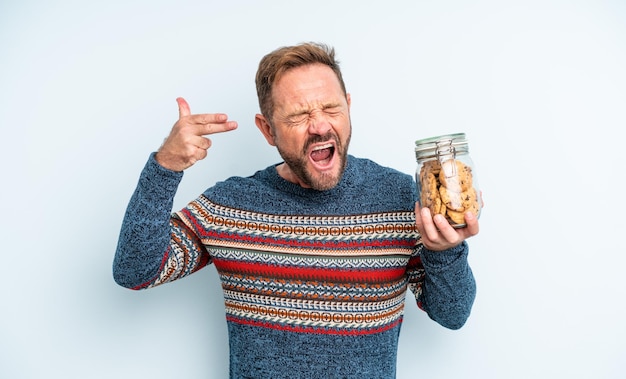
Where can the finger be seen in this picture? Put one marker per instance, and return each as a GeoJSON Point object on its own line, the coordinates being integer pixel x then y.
{"type": "Point", "coordinates": [183, 108]}
{"type": "Point", "coordinates": [419, 219]}
{"type": "Point", "coordinates": [418, 216]}
{"type": "Point", "coordinates": [429, 229]}
{"type": "Point", "coordinates": [208, 118]}
{"type": "Point", "coordinates": [202, 143]}
{"type": "Point", "coordinates": [201, 154]}
{"type": "Point", "coordinates": [444, 228]}
{"type": "Point", "coordinates": [419, 225]}
{"type": "Point", "coordinates": [472, 223]}
{"type": "Point", "coordinates": [216, 127]}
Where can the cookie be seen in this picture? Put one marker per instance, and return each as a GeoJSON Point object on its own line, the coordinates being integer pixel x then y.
{"type": "Point", "coordinates": [452, 200]}
{"type": "Point", "coordinates": [447, 188]}
{"type": "Point", "coordinates": [456, 217]}
{"type": "Point", "coordinates": [429, 187]}
{"type": "Point", "coordinates": [455, 175]}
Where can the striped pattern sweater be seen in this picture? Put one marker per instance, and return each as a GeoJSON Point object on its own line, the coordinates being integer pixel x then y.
{"type": "Point", "coordinates": [314, 282]}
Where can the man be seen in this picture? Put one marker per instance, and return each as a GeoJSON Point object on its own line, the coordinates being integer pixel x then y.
{"type": "Point", "coordinates": [315, 254]}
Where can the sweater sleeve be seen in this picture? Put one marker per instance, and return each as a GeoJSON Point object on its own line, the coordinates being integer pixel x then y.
{"type": "Point", "coordinates": [444, 285]}
{"type": "Point", "coordinates": [154, 247]}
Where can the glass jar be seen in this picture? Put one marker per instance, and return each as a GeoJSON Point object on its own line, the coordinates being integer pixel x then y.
{"type": "Point", "coordinates": [445, 176]}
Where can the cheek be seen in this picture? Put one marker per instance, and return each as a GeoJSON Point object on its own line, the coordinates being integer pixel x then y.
{"type": "Point", "coordinates": [290, 140]}
{"type": "Point", "coordinates": [344, 129]}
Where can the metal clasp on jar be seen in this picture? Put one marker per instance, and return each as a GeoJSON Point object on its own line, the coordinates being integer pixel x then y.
{"type": "Point", "coordinates": [444, 152]}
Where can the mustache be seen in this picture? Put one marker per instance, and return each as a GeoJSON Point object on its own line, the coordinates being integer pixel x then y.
{"type": "Point", "coordinates": [329, 136]}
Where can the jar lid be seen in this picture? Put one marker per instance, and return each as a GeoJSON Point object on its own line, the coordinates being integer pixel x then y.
{"type": "Point", "coordinates": [431, 147]}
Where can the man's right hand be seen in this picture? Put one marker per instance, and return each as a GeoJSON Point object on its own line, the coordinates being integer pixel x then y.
{"type": "Point", "coordinates": [186, 143]}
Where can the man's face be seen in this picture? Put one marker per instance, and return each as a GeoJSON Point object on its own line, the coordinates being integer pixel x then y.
{"type": "Point", "coordinates": [311, 126]}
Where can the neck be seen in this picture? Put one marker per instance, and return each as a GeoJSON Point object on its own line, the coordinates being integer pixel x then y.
{"type": "Point", "coordinates": [285, 172]}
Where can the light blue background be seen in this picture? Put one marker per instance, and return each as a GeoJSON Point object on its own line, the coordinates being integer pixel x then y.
{"type": "Point", "coordinates": [87, 91]}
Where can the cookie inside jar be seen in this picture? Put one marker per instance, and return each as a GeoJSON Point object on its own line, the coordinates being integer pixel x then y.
{"type": "Point", "coordinates": [445, 178]}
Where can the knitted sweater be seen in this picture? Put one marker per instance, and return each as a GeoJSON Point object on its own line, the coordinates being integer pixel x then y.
{"type": "Point", "coordinates": [314, 282]}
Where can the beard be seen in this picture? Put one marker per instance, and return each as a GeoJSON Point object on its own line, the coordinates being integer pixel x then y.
{"type": "Point", "coordinates": [298, 163]}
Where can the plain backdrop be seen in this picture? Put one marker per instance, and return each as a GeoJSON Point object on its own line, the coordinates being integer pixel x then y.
{"type": "Point", "coordinates": [87, 92]}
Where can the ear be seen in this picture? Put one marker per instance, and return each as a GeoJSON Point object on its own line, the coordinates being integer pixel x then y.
{"type": "Point", "coordinates": [349, 100]}
{"type": "Point", "coordinates": [265, 128]}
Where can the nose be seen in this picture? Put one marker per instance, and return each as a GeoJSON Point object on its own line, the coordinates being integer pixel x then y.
{"type": "Point", "coordinates": [319, 123]}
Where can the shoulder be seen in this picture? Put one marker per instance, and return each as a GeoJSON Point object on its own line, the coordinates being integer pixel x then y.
{"type": "Point", "coordinates": [374, 172]}
{"type": "Point", "coordinates": [381, 187]}
{"type": "Point", "coordinates": [239, 191]}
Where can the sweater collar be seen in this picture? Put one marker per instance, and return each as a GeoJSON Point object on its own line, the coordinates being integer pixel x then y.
{"type": "Point", "coordinates": [286, 186]}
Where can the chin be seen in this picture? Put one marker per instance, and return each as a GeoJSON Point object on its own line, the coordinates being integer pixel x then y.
{"type": "Point", "coordinates": [328, 179]}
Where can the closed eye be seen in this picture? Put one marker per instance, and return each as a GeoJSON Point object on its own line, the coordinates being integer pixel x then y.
{"type": "Point", "coordinates": [301, 117]}
{"type": "Point", "coordinates": [333, 110]}
{"type": "Point", "coordinates": [297, 119]}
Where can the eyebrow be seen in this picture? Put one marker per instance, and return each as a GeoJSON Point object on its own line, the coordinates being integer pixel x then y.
{"type": "Point", "coordinates": [303, 110]}
{"type": "Point", "coordinates": [331, 105]}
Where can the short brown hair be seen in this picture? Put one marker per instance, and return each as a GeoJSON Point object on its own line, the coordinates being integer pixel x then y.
{"type": "Point", "coordinates": [281, 60]}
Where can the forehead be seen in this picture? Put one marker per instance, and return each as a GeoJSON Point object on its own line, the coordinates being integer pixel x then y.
{"type": "Point", "coordinates": [306, 85]}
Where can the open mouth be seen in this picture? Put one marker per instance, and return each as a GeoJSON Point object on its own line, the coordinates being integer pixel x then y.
{"type": "Point", "coordinates": [322, 155]}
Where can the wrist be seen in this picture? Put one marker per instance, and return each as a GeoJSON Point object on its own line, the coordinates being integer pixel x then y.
{"type": "Point", "coordinates": [165, 160]}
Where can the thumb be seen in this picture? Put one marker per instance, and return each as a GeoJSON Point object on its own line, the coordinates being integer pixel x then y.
{"type": "Point", "coordinates": [183, 108]}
